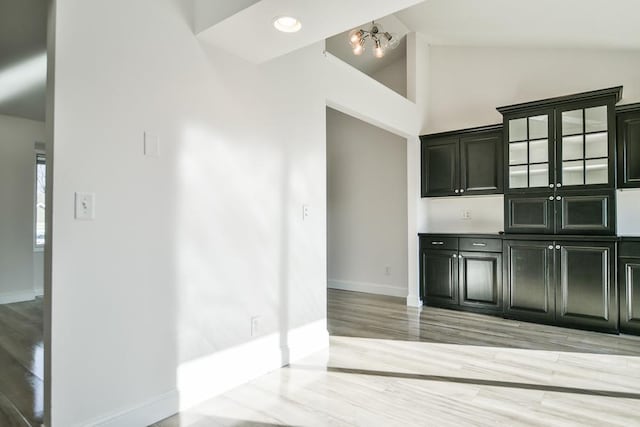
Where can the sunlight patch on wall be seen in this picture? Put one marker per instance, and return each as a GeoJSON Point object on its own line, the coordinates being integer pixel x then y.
{"type": "Point", "coordinates": [23, 76]}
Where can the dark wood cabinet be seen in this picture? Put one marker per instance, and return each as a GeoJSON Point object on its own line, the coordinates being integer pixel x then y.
{"type": "Point", "coordinates": [570, 283]}
{"type": "Point", "coordinates": [461, 272]}
{"type": "Point", "coordinates": [628, 135]}
{"type": "Point", "coordinates": [585, 213]}
{"type": "Point", "coordinates": [440, 167]}
{"type": "Point", "coordinates": [586, 294]}
{"type": "Point", "coordinates": [530, 213]}
{"type": "Point", "coordinates": [440, 277]}
{"type": "Point", "coordinates": [629, 285]}
{"type": "Point", "coordinates": [529, 276]}
{"type": "Point", "coordinates": [575, 213]}
{"type": "Point", "coordinates": [462, 162]}
{"type": "Point", "coordinates": [480, 280]}
{"type": "Point", "coordinates": [566, 142]}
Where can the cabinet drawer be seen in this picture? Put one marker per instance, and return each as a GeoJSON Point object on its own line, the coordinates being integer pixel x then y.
{"type": "Point", "coordinates": [480, 245]}
{"type": "Point", "coordinates": [435, 242]}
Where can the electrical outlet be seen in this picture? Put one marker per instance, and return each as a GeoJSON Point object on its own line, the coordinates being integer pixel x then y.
{"type": "Point", "coordinates": [387, 271]}
{"type": "Point", "coordinates": [466, 214]}
{"type": "Point", "coordinates": [151, 145]}
{"type": "Point", "coordinates": [305, 212]}
{"type": "Point", "coordinates": [255, 326]}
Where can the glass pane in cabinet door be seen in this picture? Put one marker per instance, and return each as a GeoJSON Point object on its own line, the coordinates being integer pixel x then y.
{"type": "Point", "coordinates": [539, 151]}
{"type": "Point", "coordinates": [539, 175]}
{"type": "Point", "coordinates": [595, 119]}
{"type": "Point", "coordinates": [517, 177]}
{"type": "Point", "coordinates": [572, 122]}
{"type": "Point", "coordinates": [517, 153]}
{"type": "Point", "coordinates": [518, 130]}
{"type": "Point", "coordinates": [538, 127]}
{"type": "Point", "coordinates": [572, 173]}
{"type": "Point", "coordinates": [572, 147]}
{"type": "Point", "coordinates": [597, 172]}
{"type": "Point", "coordinates": [596, 145]}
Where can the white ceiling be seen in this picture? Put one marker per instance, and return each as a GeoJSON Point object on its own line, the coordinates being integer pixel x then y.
{"type": "Point", "coordinates": [22, 58]}
{"type": "Point", "coordinates": [250, 33]}
{"type": "Point", "coordinates": [339, 46]}
{"type": "Point", "coordinates": [608, 24]}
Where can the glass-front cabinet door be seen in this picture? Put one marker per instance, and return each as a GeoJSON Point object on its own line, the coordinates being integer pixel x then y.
{"type": "Point", "coordinates": [529, 152]}
{"type": "Point", "coordinates": [585, 144]}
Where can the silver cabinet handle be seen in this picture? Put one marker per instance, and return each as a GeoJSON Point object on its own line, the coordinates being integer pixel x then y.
{"type": "Point", "coordinates": [550, 246]}
{"type": "Point", "coordinates": [479, 244]}
{"type": "Point", "coordinates": [456, 191]}
{"type": "Point", "coordinates": [550, 185]}
{"type": "Point", "coordinates": [558, 198]}
{"type": "Point", "coordinates": [454, 256]}
{"type": "Point", "coordinates": [550, 197]}
{"type": "Point", "coordinates": [461, 190]}
{"type": "Point", "coordinates": [557, 246]}
{"type": "Point", "coordinates": [437, 243]}
{"type": "Point", "coordinates": [460, 256]}
{"type": "Point", "coordinates": [558, 185]}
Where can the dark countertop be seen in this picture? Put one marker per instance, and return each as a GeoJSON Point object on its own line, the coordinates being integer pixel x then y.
{"type": "Point", "coordinates": [563, 237]}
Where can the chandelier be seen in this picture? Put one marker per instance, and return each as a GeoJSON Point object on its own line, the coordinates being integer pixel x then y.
{"type": "Point", "coordinates": [381, 40]}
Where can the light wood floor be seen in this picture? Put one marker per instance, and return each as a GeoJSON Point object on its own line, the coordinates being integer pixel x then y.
{"type": "Point", "coordinates": [21, 364]}
{"type": "Point", "coordinates": [389, 365]}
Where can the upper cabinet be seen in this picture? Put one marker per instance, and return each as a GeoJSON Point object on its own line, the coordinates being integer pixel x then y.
{"type": "Point", "coordinates": [628, 130]}
{"type": "Point", "coordinates": [462, 162]}
{"type": "Point", "coordinates": [561, 143]}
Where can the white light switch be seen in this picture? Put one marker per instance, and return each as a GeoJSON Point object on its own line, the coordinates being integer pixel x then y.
{"type": "Point", "coordinates": [151, 144]}
{"type": "Point", "coordinates": [305, 212]}
{"type": "Point", "coordinates": [85, 206]}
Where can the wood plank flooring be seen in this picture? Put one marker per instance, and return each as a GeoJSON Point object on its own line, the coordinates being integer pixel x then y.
{"type": "Point", "coordinates": [21, 364]}
{"type": "Point", "coordinates": [389, 365]}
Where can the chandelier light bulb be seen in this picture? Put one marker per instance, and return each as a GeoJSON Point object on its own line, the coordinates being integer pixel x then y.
{"type": "Point", "coordinates": [382, 40]}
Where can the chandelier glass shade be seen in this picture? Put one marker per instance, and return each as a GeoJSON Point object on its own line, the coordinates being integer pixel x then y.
{"type": "Point", "coordinates": [376, 37]}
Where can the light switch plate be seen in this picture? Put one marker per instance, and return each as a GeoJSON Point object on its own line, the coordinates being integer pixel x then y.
{"type": "Point", "coordinates": [305, 212]}
{"type": "Point", "coordinates": [151, 145]}
{"type": "Point", "coordinates": [85, 206]}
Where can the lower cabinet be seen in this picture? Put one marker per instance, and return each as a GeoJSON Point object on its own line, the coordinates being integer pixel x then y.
{"type": "Point", "coordinates": [629, 283]}
{"type": "Point", "coordinates": [569, 283]}
{"type": "Point", "coordinates": [462, 273]}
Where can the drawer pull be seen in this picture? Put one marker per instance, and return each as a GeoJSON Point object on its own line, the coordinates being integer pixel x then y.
{"type": "Point", "coordinates": [479, 244]}
{"type": "Point", "coordinates": [437, 243]}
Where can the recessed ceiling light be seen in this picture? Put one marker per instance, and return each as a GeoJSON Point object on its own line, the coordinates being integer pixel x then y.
{"type": "Point", "coordinates": [287, 24]}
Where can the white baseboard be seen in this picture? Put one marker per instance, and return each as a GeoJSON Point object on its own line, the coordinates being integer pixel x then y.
{"type": "Point", "coordinates": [11, 297]}
{"type": "Point", "coordinates": [414, 301]}
{"type": "Point", "coordinates": [370, 288]}
{"type": "Point", "coordinates": [207, 377]}
{"type": "Point", "coordinates": [143, 414]}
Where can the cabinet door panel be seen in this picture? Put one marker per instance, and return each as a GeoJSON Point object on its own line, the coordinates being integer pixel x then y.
{"type": "Point", "coordinates": [586, 293]}
{"type": "Point", "coordinates": [586, 213]}
{"type": "Point", "coordinates": [481, 280]}
{"type": "Point", "coordinates": [529, 213]}
{"type": "Point", "coordinates": [440, 167]}
{"type": "Point", "coordinates": [529, 280]}
{"type": "Point", "coordinates": [629, 149]}
{"type": "Point", "coordinates": [630, 295]}
{"type": "Point", "coordinates": [440, 277]}
{"type": "Point", "coordinates": [481, 157]}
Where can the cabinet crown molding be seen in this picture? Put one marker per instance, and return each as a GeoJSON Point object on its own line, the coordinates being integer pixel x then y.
{"type": "Point", "coordinates": [551, 102]}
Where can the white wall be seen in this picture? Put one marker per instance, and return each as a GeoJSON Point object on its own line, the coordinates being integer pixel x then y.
{"type": "Point", "coordinates": [394, 75]}
{"type": "Point", "coordinates": [159, 290]}
{"type": "Point", "coordinates": [20, 267]}
{"type": "Point", "coordinates": [366, 207]}
{"type": "Point", "coordinates": [467, 84]}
